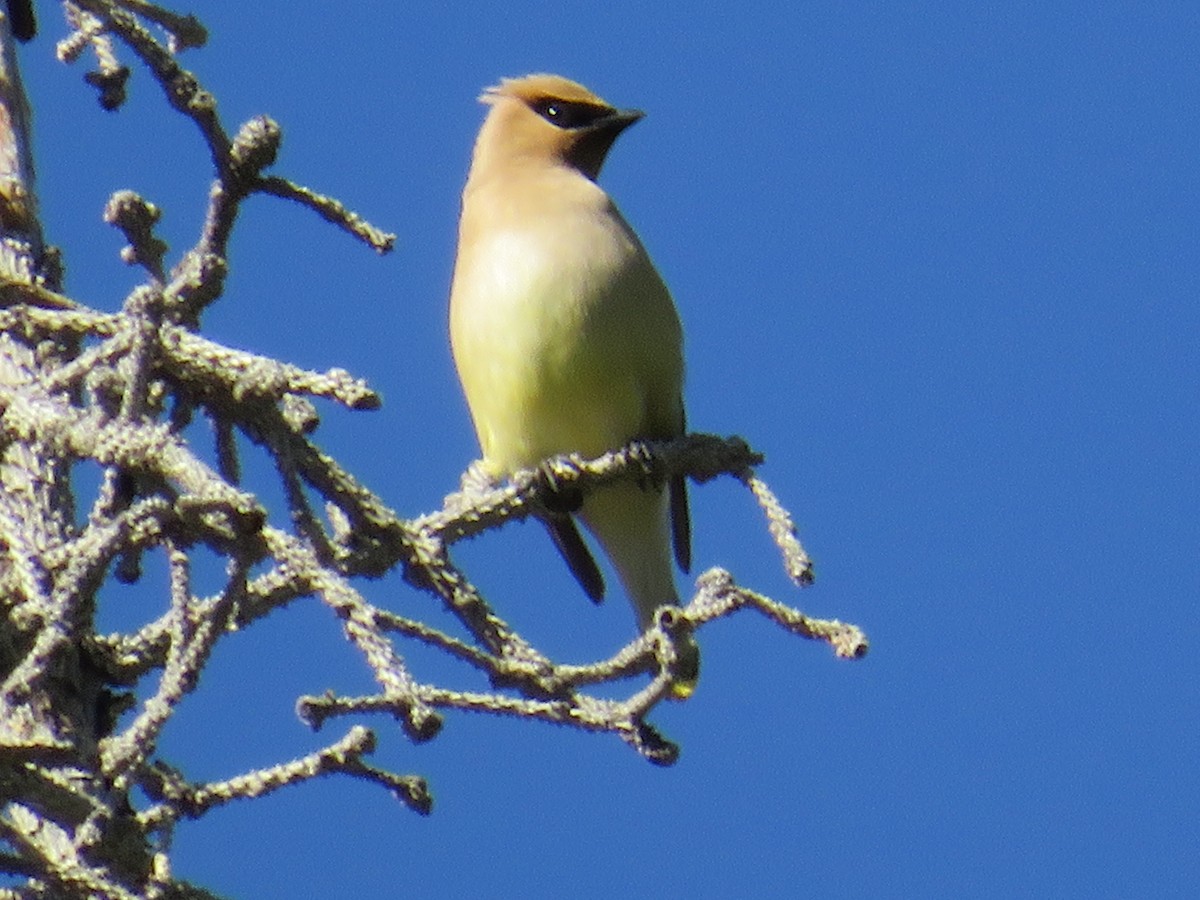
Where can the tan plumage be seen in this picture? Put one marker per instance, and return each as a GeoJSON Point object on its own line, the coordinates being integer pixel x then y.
{"type": "Point", "coordinates": [565, 337]}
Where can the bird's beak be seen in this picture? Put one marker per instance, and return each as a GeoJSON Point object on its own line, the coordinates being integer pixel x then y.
{"type": "Point", "coordinates": [593, 144]}
{"type": "Point", "coordinates": [623, 118]}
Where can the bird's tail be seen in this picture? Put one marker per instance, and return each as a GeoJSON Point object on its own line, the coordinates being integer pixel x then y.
{"type": "Point", "coordinates": [632, 525]}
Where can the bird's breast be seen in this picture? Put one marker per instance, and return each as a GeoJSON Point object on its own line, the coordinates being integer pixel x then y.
{"type": "Point", "coordinates": [563, 335]}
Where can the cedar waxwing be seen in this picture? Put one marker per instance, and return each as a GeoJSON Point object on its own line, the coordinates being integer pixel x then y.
{"type": "Point", "coordinates": [565, 337]}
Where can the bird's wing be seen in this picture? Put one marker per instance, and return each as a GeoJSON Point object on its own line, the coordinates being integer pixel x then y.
{"type": "Point", "coordinates": [681, 524]}
{"type": "Point", "coordinates": [565, 534]}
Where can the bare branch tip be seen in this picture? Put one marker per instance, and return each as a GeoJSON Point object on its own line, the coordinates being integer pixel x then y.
{"type": "Point", "coordinates": [136, 217]}
{"type": "Point", "coordinates": [651, 745]}
{"type": "Point", "coordinates": [256, 146]}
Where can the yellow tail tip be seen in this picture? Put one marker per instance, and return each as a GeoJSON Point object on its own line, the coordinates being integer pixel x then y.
{"type": "Point", "coordinates": [686, 671]}
{"type": "Point", "coordinates": [681, 690]}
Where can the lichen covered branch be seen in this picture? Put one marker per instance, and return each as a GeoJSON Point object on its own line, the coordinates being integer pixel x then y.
{"type": "Point", "coordinates": [87, 801]}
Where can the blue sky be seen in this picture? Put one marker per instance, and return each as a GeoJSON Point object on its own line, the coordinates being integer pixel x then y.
{"type": "Point", "coordinates": [937, 261]}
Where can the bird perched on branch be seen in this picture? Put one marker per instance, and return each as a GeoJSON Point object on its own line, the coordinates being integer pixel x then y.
{"type": "Point", "coordinates": [565, 337]}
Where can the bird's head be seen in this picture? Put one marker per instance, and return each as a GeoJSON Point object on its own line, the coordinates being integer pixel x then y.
{"type": "Point", "coordinates": [552, 120]}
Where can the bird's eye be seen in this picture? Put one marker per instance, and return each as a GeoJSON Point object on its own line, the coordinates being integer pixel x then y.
{"type": "Point", "coordinates": [565, 114]}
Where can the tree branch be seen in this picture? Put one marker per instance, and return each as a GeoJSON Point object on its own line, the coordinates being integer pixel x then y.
{"type": "Point", "coordinates": [119, 390]}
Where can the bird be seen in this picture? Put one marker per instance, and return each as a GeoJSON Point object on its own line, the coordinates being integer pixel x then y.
{"type": "Point", "coordinates": [565, 337]}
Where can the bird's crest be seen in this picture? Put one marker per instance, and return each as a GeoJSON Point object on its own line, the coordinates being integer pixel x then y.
{"type": "Point", "coordinates": [531, 88]}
